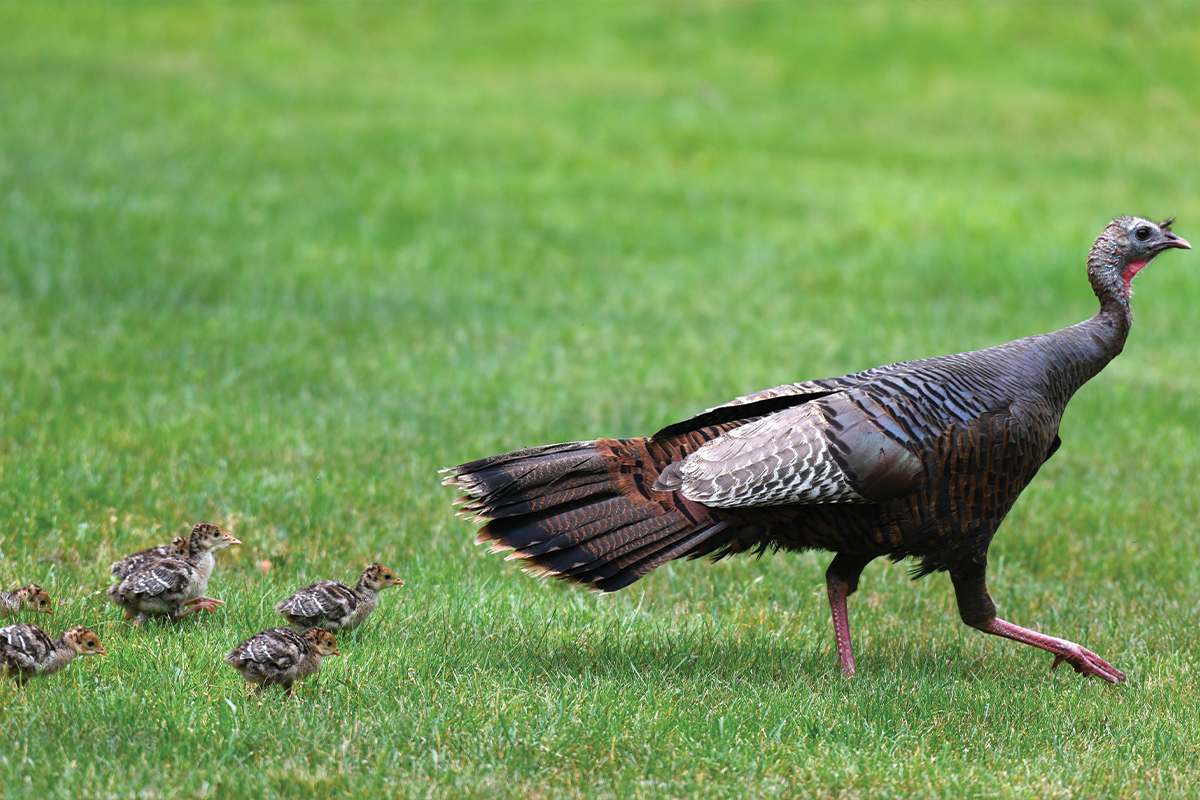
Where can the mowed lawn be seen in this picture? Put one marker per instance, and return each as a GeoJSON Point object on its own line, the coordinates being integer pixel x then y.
{"type": "Point", "coordinates": [275, 265]}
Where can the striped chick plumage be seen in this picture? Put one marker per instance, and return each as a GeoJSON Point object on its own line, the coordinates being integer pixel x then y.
{"type": "Point", "coordinates": [166, 585]}
{"type": "Point", "coordinates": [177, 548]}
{"type": "Point", "coordinates": [334, 605]}
{"type": "Point", "coordinates": [30, 597]}
{"type": "Point", "coordinates": [282, 656]}
{"type": "Point", "coordinates": [26, 651]}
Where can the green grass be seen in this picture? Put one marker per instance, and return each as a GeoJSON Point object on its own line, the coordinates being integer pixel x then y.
{"type": "Point", "coordinates": [274, 265]}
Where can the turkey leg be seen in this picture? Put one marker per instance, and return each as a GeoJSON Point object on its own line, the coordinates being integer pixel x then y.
{"type": "Point", "coordinates": [203, 600]}
{"type": "Point", "coordinates": [841, 581]}
{"type": "Point", "coordinates": [976, 608]}
{"type": "Point", "coordinates": [209, 604]}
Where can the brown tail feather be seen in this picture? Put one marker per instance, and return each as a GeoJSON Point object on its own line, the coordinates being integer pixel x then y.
{"type": "Point", "coordinates": [567, 495]}
{"type": "Point", "coordinates": [621, 572]}
{"type": "Point", "coordinates": [584, 511]}
{"type": "Point", "coordinates": [574, 524]}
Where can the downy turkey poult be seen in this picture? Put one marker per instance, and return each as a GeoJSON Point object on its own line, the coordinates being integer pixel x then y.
{"type": "Point", "coordinates": [281, 656]}
{"type": "Point", "coordinates": [165, 585]}
{"type": "Point", "coordinates": [335, 606]}
{"type": "Point", "coordinates": [26, 651]}
{"type": "Point", "coordinates": [919, 459]}
{"type": "Point", "coordinates": [29, 597]}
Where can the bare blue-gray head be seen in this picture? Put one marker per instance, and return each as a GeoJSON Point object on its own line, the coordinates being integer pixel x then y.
{"type": "Point", "coordinates": [1126, 246]}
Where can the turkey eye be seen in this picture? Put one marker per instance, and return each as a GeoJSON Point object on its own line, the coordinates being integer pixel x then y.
{"type": "Point", "coordinates": [1142, 233]}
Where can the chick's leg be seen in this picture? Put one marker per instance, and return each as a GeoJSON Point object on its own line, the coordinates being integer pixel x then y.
{"type": "Point", "coordinates": [205, 603]}
{"type": "Point", "coordinates": [204, 600]}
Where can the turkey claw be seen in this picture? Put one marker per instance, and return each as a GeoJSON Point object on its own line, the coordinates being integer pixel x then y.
{"type": "Point", "coordinates": [199, 600]}
{"type": "Point", "coordinates": [208, 604]}
{"type": "Point", "coordinates": [1085, 662]}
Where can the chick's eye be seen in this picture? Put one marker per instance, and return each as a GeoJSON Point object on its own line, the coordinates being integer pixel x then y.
{"type": "Point", "coordinates": [1142, 233]}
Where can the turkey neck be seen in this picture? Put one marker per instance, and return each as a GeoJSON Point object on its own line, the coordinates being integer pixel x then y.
{"type": "Point", "coordinates": [1073, 356]}
{"type": "Point", "coordinates": [205, 562]}
{"type": "Point", "coordinates": [203, 559]}
{"type": "Point", "coordinates": [310, 663]}
{"type": "Point", "coordinates": [59, 657]}
{"type": "Point", "coordinates": [368, 598]}
{"type": "Point", "coordinates": [1111, 274]}
{"type": "Point", "coordinates": [1078, 353]}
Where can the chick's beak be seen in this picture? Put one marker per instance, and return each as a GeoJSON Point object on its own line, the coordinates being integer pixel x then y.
{"type": "Point", "coordinates": [230, 540]}
{"type": "Point", "coordinates": [336, 652]}
{"type": "Point", "coordinates": [397, 582]}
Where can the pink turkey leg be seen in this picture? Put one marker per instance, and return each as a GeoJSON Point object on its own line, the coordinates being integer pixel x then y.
{"type": "Point", "coordinates": [837, 590]}
{"type": "Point", "coordinates": [204, 600]}
{"type": "Point", "coordinates": [206, 603]}
{"type": "Point", "coordinates": [1084, 661]}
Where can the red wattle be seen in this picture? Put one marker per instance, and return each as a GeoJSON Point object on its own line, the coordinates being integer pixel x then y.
{"type": "Point", "coordinates": [1131, 269]}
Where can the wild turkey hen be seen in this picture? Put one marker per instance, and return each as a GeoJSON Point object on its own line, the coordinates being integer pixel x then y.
{"type": "Point", "coordinates": [919, 459]}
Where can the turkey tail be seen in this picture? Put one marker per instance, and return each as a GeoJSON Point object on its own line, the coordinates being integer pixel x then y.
{"type": "Point", "coordinates": [584, 511]}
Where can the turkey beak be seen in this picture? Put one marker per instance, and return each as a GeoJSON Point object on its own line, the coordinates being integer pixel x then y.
{"type": "Point", "coordinates": [101, 652]}
{"type": "Point", "coordinates": [230, 540]}
{"type": "Point", "coordinates": [397, 582]}
{"type": "Point", "coordinates": [336, 652]}
{"type": "Point", "coordinates": [1177, 241]}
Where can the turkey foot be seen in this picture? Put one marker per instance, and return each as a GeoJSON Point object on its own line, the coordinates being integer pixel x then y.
{"type": "Point", "coordinates": [1081, 660]}
{"type": "Point", "coordinates": [209, 604]}
{"type": "Point", "coordinates": [204, 600]}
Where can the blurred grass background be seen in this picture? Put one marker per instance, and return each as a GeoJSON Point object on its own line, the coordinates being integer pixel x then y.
{"type": "Point", "coordinates": [275, 264]}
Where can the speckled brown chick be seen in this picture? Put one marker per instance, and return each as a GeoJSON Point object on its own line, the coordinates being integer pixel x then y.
{"type": "Point", "coordinates": [30, 597]}
{"type": "Point", "coordinates": [334, 605]}
{"type": "Point", "coordinates": [281, 656]}
{"type": "Point", "coordinates": [27, 652]}
{"type": "Point", "coordinates": [178, 548]}
{"type": "Point", "coordinates": [166, 585]}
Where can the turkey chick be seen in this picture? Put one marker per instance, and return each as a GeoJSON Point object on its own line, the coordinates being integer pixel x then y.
{"type": "Point", "coordinates": [281, 656]}
{"type": "Point", "coordinates": [178, 548]}
{"type": "Point", "coordinates": [334, 605]}
{"type": "Point", "coordinates": [166, 585]}
{"type": "Point", "coordinates": [27, 652]}
{"type": "Point", "coordinates": [31, 597]}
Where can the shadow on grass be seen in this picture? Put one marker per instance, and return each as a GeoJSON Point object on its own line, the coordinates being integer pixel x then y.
{"type": "Point", "coordinates": [764, 660]}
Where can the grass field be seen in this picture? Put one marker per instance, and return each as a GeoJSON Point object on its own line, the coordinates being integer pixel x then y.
{"type": "Point", "coordinates": [274, 265]}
